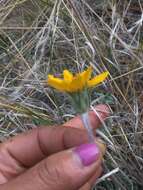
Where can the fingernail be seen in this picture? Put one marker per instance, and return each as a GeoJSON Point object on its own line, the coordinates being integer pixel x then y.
{"type": "Point", "coordinates": [103, 109]}
{"type": "Point", "coordinates": [88, 153]}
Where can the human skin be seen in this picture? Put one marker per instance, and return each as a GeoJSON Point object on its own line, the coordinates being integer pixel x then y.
{"type": "Point", "coordinates": [53, 158]}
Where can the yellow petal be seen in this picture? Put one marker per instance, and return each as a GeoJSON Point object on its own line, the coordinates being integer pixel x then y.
{"type": "Point", "coordinates": [85, 75]}
{"type": "Point", "coordinates": [56, 83]}
{"type": "Point", "coordinates": [76, 84]}
{"type": "Point", "coordinates": [68, 76]}
{"type": "Point", "coordinates": [98, 79]}
{"type": "Point", "coordinates": [80, 81]}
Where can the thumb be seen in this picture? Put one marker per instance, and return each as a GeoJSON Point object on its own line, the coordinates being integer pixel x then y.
{"type": "Point", "coordinates": [69, 169]}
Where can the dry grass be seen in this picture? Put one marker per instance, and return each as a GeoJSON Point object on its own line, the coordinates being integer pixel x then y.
{"type": "Point", "coordinates": [38, 37]}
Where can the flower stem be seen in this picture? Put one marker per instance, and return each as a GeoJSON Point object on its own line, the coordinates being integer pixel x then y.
{"type": "Point", "coordinates": [87, 126]}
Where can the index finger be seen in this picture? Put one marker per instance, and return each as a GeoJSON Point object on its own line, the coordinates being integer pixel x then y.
{"type": "Point", "coordinates": [95, 118]}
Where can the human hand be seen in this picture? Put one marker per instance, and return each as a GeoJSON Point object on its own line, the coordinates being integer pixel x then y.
{"type": "Point", "coordinates": [52, 158]}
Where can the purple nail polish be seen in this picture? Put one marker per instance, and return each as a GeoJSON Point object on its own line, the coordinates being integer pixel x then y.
{"type": "Point", "coordinates": [88, 153]}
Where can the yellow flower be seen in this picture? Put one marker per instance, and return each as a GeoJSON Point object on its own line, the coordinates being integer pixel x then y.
{"type": "Point", "coordinates": [71, 83]}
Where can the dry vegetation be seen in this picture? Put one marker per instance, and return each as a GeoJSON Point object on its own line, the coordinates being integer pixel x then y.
{"type": "Point", "coordinates": [42, 36]}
